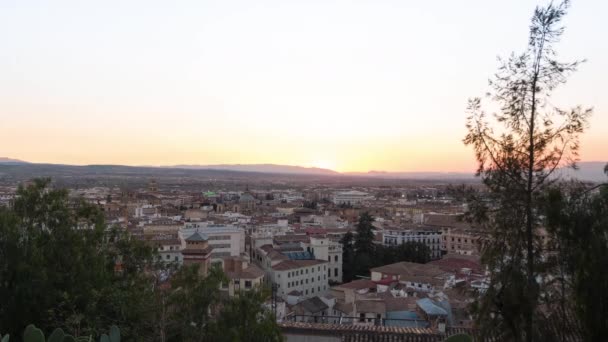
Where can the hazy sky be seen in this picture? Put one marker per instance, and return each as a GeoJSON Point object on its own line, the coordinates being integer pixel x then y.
{"type": "Point", "coordinates": [350, 85]}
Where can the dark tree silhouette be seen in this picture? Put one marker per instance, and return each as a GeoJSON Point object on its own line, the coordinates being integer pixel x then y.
{"type": "Point", "coordinates": [518, 149]}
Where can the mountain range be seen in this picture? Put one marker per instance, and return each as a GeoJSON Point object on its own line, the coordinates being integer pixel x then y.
{"type": "Point", "coordinates": [589, 171]}
{"type": "Point", "coordinates": [262, 168]}
{"type": "Point", "coordinates": [5, 160]}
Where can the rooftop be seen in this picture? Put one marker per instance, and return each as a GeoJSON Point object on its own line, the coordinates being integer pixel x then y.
{"type": "Point", "coordinates": [295, 264]}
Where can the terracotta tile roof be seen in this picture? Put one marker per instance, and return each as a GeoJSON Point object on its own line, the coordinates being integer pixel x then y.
{"type": "Point", "coordinates": [455, 262]}
{"type": "Point", "coordinates": [251, 272]}
{"type": "Point", "coordinates": [409, 270]}
{"type": "Point", "coordinates": [357, 328]}
{"type": "Point", "coordinates": [357, 285]}
{"type": "Point", "coordinates": [375, 306]}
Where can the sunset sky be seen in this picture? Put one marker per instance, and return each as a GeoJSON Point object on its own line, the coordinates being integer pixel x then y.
{"type": "Point", "coordinates": [348, 85]}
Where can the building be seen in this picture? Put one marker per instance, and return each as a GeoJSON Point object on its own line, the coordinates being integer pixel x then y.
{"type": "Point", "coordinates": [169, 249]}
{"type": "Point", "coordinates": [242, 275]}
{"type": "Point", "coordinates": [430, 236]}
{"type": "Point", "coordinates": [418, 277]}
{"type": "Point", "coordinates": [226, 240]}
{"type": "Point", "coordinates": [325, 249]}
{"type": "Point", "coordinates": [197, 251]}
{"type": "Point", "coordinates": [306, 276]}
{"type": "Point", "coordinates": [352, 197]}
{"type": "Point", "coordinates": [460, 241]}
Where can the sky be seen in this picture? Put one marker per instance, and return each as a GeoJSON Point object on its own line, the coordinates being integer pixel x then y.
{"type": "Point", "coordinates": [347, 85]}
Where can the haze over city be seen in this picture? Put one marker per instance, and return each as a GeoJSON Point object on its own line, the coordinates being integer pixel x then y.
{"type": "Point", "coordinates": [344, 85]}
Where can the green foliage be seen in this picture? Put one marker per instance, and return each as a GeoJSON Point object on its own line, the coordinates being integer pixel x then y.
{"type": "Point", "coordinates": [578, 222]}
{"type": "Point", "coordinates": [193, 298]}
{"type": "Point", "coordinates": [57, 335]}
{"type": "Point", "coordinates": [33, 334]}
{"type": "Point", "coordinates": [46, 243]}
{"type": "Point", "coordinates": [57, 269]}
{"type": "Point", "coordinates": [253, 321]}
{"type": "Point", "coordinates": [360, 253]}
{"type": "Point", "coordinates": [518, 149]}
{"type": "Point", "coordinates": [348, 257]}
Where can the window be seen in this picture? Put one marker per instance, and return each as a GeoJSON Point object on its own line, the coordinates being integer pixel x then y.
{"type": "Point", "coordinates": [307, 271]}
{"type": "Point", "coordinates": [247, 284]}
{"type": "Point", "coordinates": [319, 269]}
{"type": "Point", "coordinates": [319, 278]}
{"type": "Point", "coordinates": [361, 317]}
{"type": "Point", "coordinates": [307, 292]}
{"type": "Point", "coordinates": [336, 258]}
{"type": "Point", "coordinates": [335, 272]}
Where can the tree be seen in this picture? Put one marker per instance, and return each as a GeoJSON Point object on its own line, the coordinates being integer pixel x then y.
{"type": "Point", "coordinates": [517, 163]}
{"type": "Point", "coordinates": [364, 241]}
{"type": "Point", "coordinates": [193, 299]}
{"type": "Point", "coordinates": [244, 318]}
{"type": "Point", "coordinates": [57, 267]}
{"type": "Point", "coordinates": [577, 219]}
{"type": "Point", "coordinates": [348, 257]}
{"type": "Point", "coordinates": [410, 251]}
{"type": "Point", "coordinates": [365, 248]}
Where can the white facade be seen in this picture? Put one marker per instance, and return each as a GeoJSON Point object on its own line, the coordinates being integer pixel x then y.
{"type": "Point", "coordinates": [430, 237]}
{"type": "Point", "coordinates": [309, 277]}
{"type": "Point", "coordinates": [226, 240]}
{"type": "Point", "coordinates": [325, 249]}
{"type": "Point", "coordinates": [351, 197]}
{"type": "Point", "coordinates": [170, 252]}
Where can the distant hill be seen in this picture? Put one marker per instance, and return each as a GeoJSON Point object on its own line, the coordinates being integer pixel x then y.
{"type": "Point", "coordinates": [262, 168]}
{"type": "Point", "coordinates": [587, 171]}
{"type": "Point", "coordinates": [415, 175]}
{"type": "Point", "coordinates": [5, 160]}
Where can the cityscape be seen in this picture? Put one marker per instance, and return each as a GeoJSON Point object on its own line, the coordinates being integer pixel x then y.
{"type": "Point", "coordinates": [158, 207]}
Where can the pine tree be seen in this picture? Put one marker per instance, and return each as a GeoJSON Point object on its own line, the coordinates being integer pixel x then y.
{"type": "Point", "coordinates": [518, 150]}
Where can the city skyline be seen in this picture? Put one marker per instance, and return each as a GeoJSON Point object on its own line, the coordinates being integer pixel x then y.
{"type": "Point", "coordinates": [347, 85]}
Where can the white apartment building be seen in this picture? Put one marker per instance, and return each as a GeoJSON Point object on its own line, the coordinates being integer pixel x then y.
{"type": "Point", "coordinates": [307, 278]}
{"type": "Point", "coordinates": [350, 197]}
{"type": "Point", "coordinates": [226, 240]}
{"type": "Point", "coordinates": [325, 249]}
{"type": "Point", "coordinates": [428, 235]}
{"type": "Point", "coordinates": [169, 250]}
